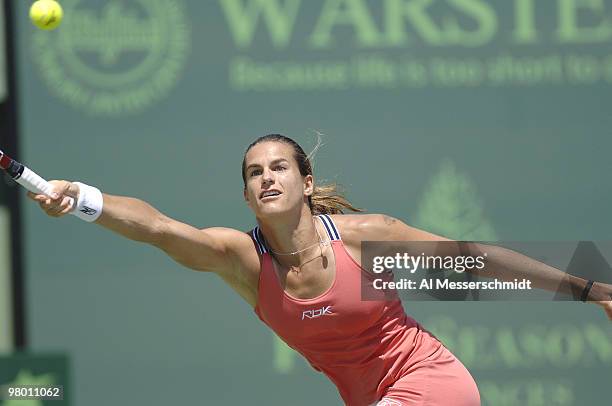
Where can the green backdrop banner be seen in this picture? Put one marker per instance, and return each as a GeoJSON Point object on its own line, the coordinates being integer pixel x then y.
{"type": "Point", "coordinates": [474, 119]}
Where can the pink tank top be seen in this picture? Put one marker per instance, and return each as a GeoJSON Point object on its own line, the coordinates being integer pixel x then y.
{"type": "Point", "coordinates": [362, 346]}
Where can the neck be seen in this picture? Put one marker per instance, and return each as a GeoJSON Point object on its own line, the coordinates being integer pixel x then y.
{"type": "Point", "coordinates": [293, 234]}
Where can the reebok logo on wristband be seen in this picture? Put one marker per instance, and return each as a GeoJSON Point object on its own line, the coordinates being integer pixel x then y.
{"type": "Point", "coordinates": [89, 203]}
{"type": "Point", "coordinates": [88, 210]}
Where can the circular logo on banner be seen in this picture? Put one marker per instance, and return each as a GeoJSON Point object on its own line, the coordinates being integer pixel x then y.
{"type": "Point", "coordinates": [114, 57]}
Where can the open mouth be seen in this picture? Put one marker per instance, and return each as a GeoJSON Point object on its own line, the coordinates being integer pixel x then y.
{"type": "Point", "coordinates": [269, 195]}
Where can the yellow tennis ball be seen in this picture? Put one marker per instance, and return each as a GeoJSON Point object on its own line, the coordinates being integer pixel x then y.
{"type": "Point", "coordinates": [46, 14]}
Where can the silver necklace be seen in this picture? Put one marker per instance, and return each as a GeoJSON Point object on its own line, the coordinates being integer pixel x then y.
{"type": "Point", "coordinates": [320, 242]}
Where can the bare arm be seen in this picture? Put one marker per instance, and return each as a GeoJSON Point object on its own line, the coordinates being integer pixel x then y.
{"type": "Point", "coordinates": [212, 249]}
{"type": "Point", "coordinates": [132, 218]}
{"type": "Point", "coordinates": [502, 263]}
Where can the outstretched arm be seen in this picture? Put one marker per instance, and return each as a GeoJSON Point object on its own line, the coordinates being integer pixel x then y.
{"type": "Point", "coordinates": [212, 249]}
{"type": "Point", "coordinates": [502, 263]}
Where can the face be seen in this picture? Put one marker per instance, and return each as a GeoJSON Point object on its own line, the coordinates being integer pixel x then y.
{"type": "Point", "coordinates": [274, 184]}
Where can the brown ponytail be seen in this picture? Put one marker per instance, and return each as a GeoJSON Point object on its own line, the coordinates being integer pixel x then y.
{"type": "Point", "coordinates": [325, 199]}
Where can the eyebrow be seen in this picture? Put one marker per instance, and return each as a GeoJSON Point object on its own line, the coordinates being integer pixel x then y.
{"type": "Point", "coordinates": [276, 161]}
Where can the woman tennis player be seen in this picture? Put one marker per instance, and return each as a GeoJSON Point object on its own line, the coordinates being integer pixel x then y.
{"type": "Point", "coordinates": [299, 269]}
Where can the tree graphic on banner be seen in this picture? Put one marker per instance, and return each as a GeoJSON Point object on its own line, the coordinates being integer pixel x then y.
{"type": "Point", "coordinates": [450, 207]}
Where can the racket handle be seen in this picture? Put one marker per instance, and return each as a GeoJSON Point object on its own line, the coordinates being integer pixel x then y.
{"type": "Point", "coordinates": [35, 184]}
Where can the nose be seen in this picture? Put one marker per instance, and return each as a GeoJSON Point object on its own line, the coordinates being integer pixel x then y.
{"type": "Point", "coordinates": [267, 176]}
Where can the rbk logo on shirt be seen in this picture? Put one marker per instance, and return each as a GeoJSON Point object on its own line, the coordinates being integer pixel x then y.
{"type": "Point", "coordinates": [313, 314]}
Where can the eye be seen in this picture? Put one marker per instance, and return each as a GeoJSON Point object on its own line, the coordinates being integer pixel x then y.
{"type": "Point", "coordinates": [280, 168]}
{"type": "Point", "coordinates": [255, 172]}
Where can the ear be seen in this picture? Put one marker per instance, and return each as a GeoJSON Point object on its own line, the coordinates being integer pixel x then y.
{"type": "Point", "coordinates": [308, 185]}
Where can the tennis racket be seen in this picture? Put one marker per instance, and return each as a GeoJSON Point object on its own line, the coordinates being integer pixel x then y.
{"type": "Point", "coordinates": [25, 176]}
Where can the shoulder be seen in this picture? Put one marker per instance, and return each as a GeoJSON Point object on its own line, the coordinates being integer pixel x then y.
{"type": "Point", "coordinates": [364, 226]}
{"type": "Point", "coordinates": [355, 228]}
{"type": "Point", "coordinates": [238, 247]}
{"type": "Point", "coordinates": [360, 223]}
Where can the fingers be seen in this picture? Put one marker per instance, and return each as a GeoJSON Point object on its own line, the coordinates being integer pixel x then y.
{"type": "Point", "coordinates": [63, 187]}
{"type": "Point", "coordinates": [60, 206]}
{"type": "Point", "coordinates": [68, 203]}
{"type": "Point", "coordinates": [37, 197]}
{"type": "Point", "coordinates": [61, 201]}
{"type": "Point", "coordinates": [58, 188]}
{"type": "Point", "coordinates": [55, 207]}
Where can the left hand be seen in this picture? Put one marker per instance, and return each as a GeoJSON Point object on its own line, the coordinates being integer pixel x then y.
{"type": "Point", "coordinates": [601, 294]}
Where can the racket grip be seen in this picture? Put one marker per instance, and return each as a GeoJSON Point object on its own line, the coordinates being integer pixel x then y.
{"type": "Point", "coordinates": [35, 184]}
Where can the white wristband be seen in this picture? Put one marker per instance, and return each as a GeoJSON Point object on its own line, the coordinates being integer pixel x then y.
{"type": "Point", "coordinates": [89, 204]}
